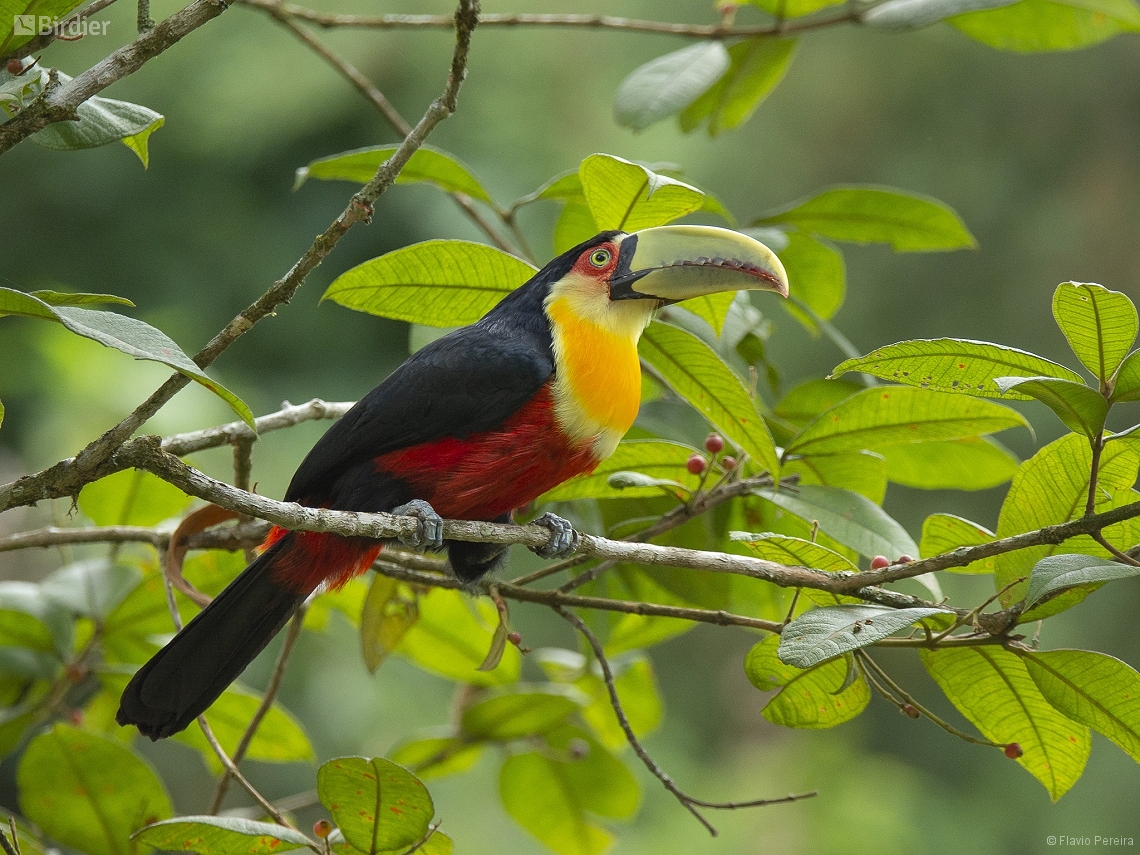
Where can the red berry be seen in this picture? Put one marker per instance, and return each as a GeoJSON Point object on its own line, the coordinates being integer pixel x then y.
{"type": "Point", "coordinates": [910, 710]}
{"type": "Point", "coordinates": [904, 559]}
{"type": "Point", "coordinates": [75, 717]}
{"type": "Point", "coordinates": [696, 464]}
{"type": "Point", "coordinates": [322, 828]}
{"type": "Point", "coordinates": [729, 463]}
{"type": "Point", "coordinates": [1013, 751]}
{"type": "Point", "coordinates": [880, 562]}
{"type": "Point", "coordinates": [714, 444]}
{"type": "Point", "coordinates": [514, 638]}
{"type": "Point", "coordinates": [15, 66]}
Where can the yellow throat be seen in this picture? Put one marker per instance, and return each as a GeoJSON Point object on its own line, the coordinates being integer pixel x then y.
{"type": "Point", "coordinates": [597, 388]}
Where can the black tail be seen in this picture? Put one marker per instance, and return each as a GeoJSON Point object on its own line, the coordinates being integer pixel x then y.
{"type": "Point", "coordinates": [189, 673]}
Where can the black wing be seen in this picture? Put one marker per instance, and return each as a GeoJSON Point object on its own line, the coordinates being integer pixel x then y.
{"type": "Point", "coordinates": [467, 382]}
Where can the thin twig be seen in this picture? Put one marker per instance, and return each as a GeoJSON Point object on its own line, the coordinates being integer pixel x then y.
{"type": "Point", "coordinates": [266, 703]}
{"type": "Point", "coordinates": [688, 802]}
{"type": "Point", "coordinates": [873, 666]}
{"type": "Point", "coordinates": [604, 22]}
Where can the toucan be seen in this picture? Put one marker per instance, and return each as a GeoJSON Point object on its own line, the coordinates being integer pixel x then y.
{"type": "Point", "coordinates": [473, 426]}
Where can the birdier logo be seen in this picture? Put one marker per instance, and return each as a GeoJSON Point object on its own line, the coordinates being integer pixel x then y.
{"type": "Point", "coordinates": [43, 25]}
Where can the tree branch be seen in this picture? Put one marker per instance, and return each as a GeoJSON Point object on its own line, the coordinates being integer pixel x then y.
{"type": "Point", "coordinates": [59, 103]}
{"type": "Point", "coordinates": [68, 477]}
{"type": "Point", "coordinates": [603, 22]}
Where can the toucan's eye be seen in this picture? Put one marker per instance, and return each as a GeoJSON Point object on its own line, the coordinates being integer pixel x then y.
{"type": "Point", "coordinates": [600, 257]}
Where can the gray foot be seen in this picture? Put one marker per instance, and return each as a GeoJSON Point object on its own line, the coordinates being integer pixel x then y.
{"type": "Point", "coordinates": [429, 532]}
{"type": "Point", "coordinates": [563, 539]}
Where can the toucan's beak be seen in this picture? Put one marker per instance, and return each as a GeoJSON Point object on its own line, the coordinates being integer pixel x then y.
{"type": "Point", "coordinates": [672, 263]}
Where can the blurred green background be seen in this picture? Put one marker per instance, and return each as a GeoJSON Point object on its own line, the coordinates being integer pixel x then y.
{"type": "Point", "coordinates": [1040, 154]}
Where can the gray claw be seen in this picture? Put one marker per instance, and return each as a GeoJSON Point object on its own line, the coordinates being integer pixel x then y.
{"type": "Point", "coordinates": [563, 539]}
{"type": "Point", "coordinates": [429, 532]}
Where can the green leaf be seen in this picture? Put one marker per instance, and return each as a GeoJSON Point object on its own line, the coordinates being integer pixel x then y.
{"type": "Point", "coordinates": [451, 641]}
{"type": "Point", "coordinates": [814, 698]}
{"type": "Point", "coordinates": [912, 14]}
{"type": "Point", "coordinates": [792, 8]}
{"type": "Point", "coordinates": [757, 66]}
{"type": "Point", "coordinates": [437, 283]}
{"type": "Point", "coordinates": [969, 463]}
{"type": "Point", "coordinates": [1044, 25]}
{"type": "Point", "coordinates": [91, 588]}
{"type": "Point", "coordinates": [140, 143]}
{"type": "Point", "coordinates": [575, 224]}
{"type": "Point", "coordinates": [822, 634]}
{"type": "Point", "coordinates": [377, 805]}
{"type": "Point", "coordinates": [712, 308]}
{"type": "Point", "coordinates": [1052, 487]}
{"type": "Point", "coordinates": [30, 619]}
{"type": "Point", "coordinates": [1091, 688]}
{"type": "Point", "coordinates": [668, 83]}
{"type": "Point", "coordinates": [280, 739]}
{"type": "Point", "coordinates": [889, 415]}
{"type": "Point", "coordinates": [9, 40]}
{"type": "Point", "coordinates": [794, 551]}
{"type": "Point", "coordinates": [992, 688]}
{"type": "Point", "coordinates": [803, 403]}
{"type": "Point", "coordinates": [64, 298]}
{"type": "Point", "coordinates": [851, 519]}
{"type": "Point", "coordinates": [862, 472]}
{"type": "Point", "coordinates": [698, 375]}
{"type": "Point", "coordinates": [628, 196]}
{"type": "Point", "coordinates": [220, 835]}
{"type": "Point", "coordinates": [1082, 409]}
{"type": "Point", "coordinates": [131, 497]}
{"type": "Point", "coordinates": [954, 365]}
{"type": "Point", "coordinates": [1100, 325]}
{"type": "Point", "coordinates": [427, 164]}
{"type": "Point", "coordinates": [132, 337]}
{"type": "Point", "coordinates": [520, 711]}
{"type": "Point", "coordinates": [818, 276]}
{"type": "Point", "coordinates": [88, 792]}
{"type": "Point", "coordinates": [554, 799]}
{"type": "Point", "coordinates": [865, 214]}
{"type": "Point", "coordinates": [1058, 572]}
{"type": "Point", "coordinates": [390, 610]}
{"type": "Point", "coordinates": [437, 755]}
{"type": "Point", "coordinates": [946, 532]}
{"type": "Point", "coordinates": [102, 121]}
{"type": "Point", "coordinates": [1127, 381]}
{"type": "Point", "coordinates": [656, 458]}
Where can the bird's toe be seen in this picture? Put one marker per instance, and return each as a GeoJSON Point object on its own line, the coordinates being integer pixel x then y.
{"type": "Point", "coordinates": [563, 539]}
{"type": "Point", "coordinates": [429, 531]}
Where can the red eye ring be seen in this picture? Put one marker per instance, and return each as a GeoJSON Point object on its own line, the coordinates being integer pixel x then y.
{"type": "Point", "coordinates": [600, 257]}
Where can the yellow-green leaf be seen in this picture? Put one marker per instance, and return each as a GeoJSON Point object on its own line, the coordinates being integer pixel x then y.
{"type": "Point", "coordinates": [1100, 325]}
{"type": "Point", "coordinates": [892, 415]}
{"type": "Point", "coordinates": [992, 688]}
{"type": "Point", "coordinates": [437, 283]}
{"type": "Point", "coordinates": [806, 698]}
{"type": "Point", "coordinates": [427, 164]}
{"type": "Point", "coordinates": [702, 378]}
